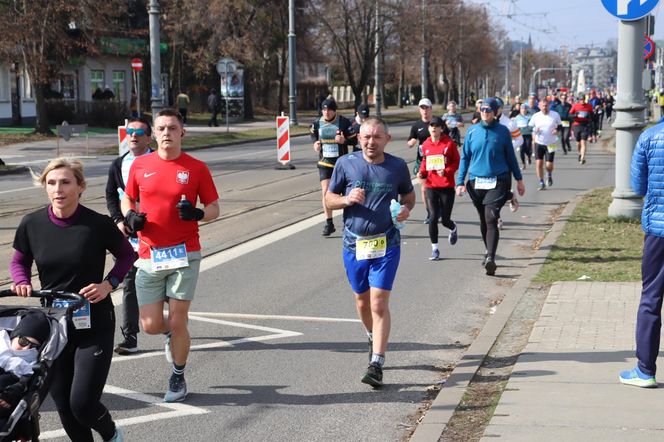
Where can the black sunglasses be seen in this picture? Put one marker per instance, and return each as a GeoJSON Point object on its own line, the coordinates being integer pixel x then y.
{"type": "Point", "coordinates": [25, 342]}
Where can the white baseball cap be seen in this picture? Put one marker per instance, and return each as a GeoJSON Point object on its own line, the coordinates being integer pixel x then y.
{"type": "Point", "coordinates": [425, 102]}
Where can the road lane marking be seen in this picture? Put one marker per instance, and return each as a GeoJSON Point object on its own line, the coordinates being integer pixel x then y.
{"type": "Point", "coordinates": [278, 317]}
{"type": "Point", "coordinates": [176, 410]}
{"type": "Point", "coordinates": [275, 333]}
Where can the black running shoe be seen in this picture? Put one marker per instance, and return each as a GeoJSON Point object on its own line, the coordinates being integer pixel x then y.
{"type": "Point", "coordinates": [128, 345]}
{"type": "Point", "coordinates": [329, 229]}
{"type": "Point", "coordinates": [490, 267]}
{"type": "Point", "coordinates": [373, 376]}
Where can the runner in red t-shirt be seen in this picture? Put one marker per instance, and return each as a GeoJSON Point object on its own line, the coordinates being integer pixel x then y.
{"type": "Point", "coordinates": [582, 113]}
{"type": "Point", "coordinates": [168, 183]}
{"type": "Point", "coordinates": [440, 161]}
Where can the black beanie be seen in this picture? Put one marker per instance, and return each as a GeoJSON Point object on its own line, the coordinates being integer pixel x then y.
{"type": "Point", "coordinates": [35, 325]}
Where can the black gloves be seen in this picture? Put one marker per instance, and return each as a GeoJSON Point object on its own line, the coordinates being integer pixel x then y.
{"type": "Point", "coordinates": [135, 221]}
{"type": "Point", "coordinates": [188, 212]}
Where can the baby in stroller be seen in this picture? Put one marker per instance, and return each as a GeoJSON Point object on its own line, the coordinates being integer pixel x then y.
{"type": "Point", "coordinates": [19, 351]}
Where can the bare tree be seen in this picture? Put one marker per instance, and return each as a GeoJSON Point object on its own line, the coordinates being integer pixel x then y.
{"type": "Point", "coordinates": [45, 34]}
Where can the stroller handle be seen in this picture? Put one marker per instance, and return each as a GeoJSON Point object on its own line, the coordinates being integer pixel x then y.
{"type": "Point", "coordinates": [51, 295]}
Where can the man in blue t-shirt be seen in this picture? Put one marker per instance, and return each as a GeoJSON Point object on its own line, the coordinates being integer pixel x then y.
{"type": "Point", "coordinates": [363, 185]}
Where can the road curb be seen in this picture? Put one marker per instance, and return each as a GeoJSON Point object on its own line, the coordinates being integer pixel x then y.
{"type": "Point", "coordinates": [435, 420]}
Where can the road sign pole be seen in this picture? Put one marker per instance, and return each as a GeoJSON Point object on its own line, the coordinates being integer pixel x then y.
{"type": "Point", "coordinates": [138, 93]}
{"type": "Point", "coordinates": [629, 115]}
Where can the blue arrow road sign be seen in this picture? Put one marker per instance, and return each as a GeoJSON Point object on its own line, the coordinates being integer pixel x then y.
{"type": "Point", "coordinates": [629, 9]}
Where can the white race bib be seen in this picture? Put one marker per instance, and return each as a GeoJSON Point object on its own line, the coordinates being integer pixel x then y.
{"type": "Point", "coordinates": [485, 183]}
{"type": "Point", "coordinates": [551, 148]}
{"type": "Point", "coordinates": [81, 318]}
{"type": "Point", "coordinates": [330, 150]}
{"type": "Point", "coordinates": [565, 123]}
{"type": "Point", "coordinates": [169, 258]}
{"type": "Point", "coordinates": [370, 247]}
{"type": "Point", "coordinates": [435, 162]}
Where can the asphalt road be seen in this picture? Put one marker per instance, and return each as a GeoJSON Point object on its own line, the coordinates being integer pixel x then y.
{"type": "Point", "coordinates": [278, 351]}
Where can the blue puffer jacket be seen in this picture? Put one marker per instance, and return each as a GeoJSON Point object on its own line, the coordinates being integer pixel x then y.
{"type": "Point", "coordinates": [647, 171]}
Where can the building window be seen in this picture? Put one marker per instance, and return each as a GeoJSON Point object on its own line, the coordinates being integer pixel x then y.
{"type": "Point", "coordinates": [97, 81]}
{"type": "Point", "coordinates": [119, 85]}
{"type": "Point", "coordinates": [68, 86]}
{"type": "Point", "coordinates": [4, 83]}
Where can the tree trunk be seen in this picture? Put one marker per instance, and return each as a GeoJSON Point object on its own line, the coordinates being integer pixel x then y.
{"type": "Point", "coordinates": [41, 126]}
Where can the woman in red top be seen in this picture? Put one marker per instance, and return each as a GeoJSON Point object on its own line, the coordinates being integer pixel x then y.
{"type": "Point", "coordinates": [440, 162]}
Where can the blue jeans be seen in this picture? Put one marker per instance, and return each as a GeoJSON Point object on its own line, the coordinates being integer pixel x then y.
{"type": "Point", "coordinates": [649, 317]}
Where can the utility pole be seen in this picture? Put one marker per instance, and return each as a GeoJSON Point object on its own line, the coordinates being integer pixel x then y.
{"type": "Point", "coordinates": [425, 58]}
{"type": "Point", "coordinates": [507, 70]}
{"type": "Point", "coordinates": [629, 115]}
{"type": "Point", "coordinates": [292, 81]}
{"type": "Point", "coordinates": [156, 100]}
{"type": "Point", "coordinates": [378, 88]}
{"type": "Point", "coordinates": [520, 69]}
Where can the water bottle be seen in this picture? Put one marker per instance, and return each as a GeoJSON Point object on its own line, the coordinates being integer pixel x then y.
{"type": "Point", "coordinates": [182, 198]}
{"type": "Point", "coordinates": [395, 208]}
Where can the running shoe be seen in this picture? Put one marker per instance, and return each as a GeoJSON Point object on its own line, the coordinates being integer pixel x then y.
{"type": "Point", "coordinates": [167, 348]}
{"type": "Point", "coordinates": [177, 389]}
{"type": "Point", "coordinates": [637, 378]}
{"type": "Point", "coordinates": [435, 255]}
{"type": "Point", "coordinates": [583, 161]}
{"type": "Point", "coordinates": [500, 224]}
{"type": "Point", "coordinates": [119, 434]}
{"type": "Point", "coordinates": [427, 220]}
{"type": "Point", "coordinates": [541, 186]}
{"type": "Point", "coordinates": [128, 345]}
{"type": "Point", "coordinates": [490, 267]}
{"type": "Point", "coordinates": [329, 229]}
{"type": "Point", "coordinates": [373, 376]}
{"type": "Point", "coordinates": [453, 236]}
{"type": "Point", "coordinates": [523, 167]}
{"type": "Point", "coordinates": [549, 181]}
{"type": "Point", "coordinates": [514, 204]}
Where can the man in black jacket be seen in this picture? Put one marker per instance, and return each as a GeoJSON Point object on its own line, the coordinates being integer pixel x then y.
{"type": "Point", "coordinates": [138, 134]}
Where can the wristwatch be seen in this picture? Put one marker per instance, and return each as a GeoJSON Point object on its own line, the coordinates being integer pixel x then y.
{"type": "Point", "coordinates": [115, 282]}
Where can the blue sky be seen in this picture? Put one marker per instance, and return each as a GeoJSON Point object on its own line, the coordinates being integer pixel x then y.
{"type": "Point", "coordinates": [567, 22]}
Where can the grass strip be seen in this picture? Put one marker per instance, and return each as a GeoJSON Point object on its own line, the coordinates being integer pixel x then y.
{"type": "Point", "coordinates": [594, 245]}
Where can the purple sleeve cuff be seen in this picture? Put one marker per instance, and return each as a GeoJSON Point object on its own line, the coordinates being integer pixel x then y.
{"type": "Point", "coordinates": [19, 268]}
{"type": "Point", "coordinates": [124, 259]}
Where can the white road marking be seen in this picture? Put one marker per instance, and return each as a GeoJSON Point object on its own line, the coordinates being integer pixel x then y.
{"type": "Point", "coordinates": [176, 410]}
{"type": "Point", "coordinates": [276, 333]}
{"type": "Point", "coordinates": [278, 317]}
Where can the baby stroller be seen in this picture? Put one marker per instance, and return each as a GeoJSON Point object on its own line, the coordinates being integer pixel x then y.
{"type": "Point", "coordinates": [23, 424]}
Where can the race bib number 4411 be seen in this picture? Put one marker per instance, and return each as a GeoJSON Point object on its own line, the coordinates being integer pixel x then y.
{"type": "Point", "coordinates": [168, 258]}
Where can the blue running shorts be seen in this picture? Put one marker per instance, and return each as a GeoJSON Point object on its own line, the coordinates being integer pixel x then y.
{"type": "Point", "coordinates": [377, 273]}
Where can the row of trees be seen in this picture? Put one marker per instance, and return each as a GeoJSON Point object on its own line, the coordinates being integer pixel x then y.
{"type": "Point", "coordinates": [460, 43]}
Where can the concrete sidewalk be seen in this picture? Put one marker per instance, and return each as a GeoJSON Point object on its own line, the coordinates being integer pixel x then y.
{"type": "Point", "coordinates": [565, 385]}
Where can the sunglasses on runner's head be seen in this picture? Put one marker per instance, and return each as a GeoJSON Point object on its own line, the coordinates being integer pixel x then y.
{"type": "Point", "coordinates": [25, 342]}
{"type": "Point", "coordinates": [138, 132]}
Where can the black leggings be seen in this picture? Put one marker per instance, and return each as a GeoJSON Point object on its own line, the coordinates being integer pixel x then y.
{"type": "Point", "coordinates": [526, 149]}
{"type": "Point", "coordinates": [79, 376]}
{"type": "Point", "coordinates": [488, 204]}
{"type": "Point", "coordinates": [564, 138]}
{"type": "Point", "coordinates": [441, 202]}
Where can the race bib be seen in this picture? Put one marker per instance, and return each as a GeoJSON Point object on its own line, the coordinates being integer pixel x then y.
{"type": "Point", "coordinates": [565, 123]}
{"type": "Point", "coordinates": [330, 150]}
{"type": "Point", "coordinates": [583, 114]}
{"type": "Point", "coordinates": [370, 247]}
{"type": "Point", "coordinates": [81, 318]}
{"type": "Point", "coordinates": [435, 162]}
{"type": "Point", "coordinates": [451, 123]}
{"type": "Point", "coordinates": [485, 183]}
{"type": "Point", "coordinates": [521, 124]}
{"type": "Point", "coordinates": [551, 148]}
{"type": "Point", "coordinates": [168, 258]}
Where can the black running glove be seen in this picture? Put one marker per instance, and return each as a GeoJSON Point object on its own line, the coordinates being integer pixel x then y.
{"type": "Point", "coordinates": [135, 221]}
{"type": "Point", "coordinates": [188, 212]}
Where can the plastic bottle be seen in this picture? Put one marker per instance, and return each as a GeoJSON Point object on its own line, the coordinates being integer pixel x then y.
{"type": "Point", "coordinates": [183, 197]}
{"type": "Point", "coordinates": [395, 208]}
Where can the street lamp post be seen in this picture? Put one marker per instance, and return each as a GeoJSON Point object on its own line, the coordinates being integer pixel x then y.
{"type": "Point", "coordinates": [629, 116]}
{"type": "Point", "coordinates": [156, 100]}
{"type": "Point", "coordinates": [292, 85]}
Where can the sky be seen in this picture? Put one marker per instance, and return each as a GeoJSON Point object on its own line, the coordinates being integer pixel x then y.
{"type": "Point", "coordinates": [573, 23]}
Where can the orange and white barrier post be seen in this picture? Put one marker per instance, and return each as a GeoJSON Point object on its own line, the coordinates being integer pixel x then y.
{"type": "Point", "coordinates": [283, 142]}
